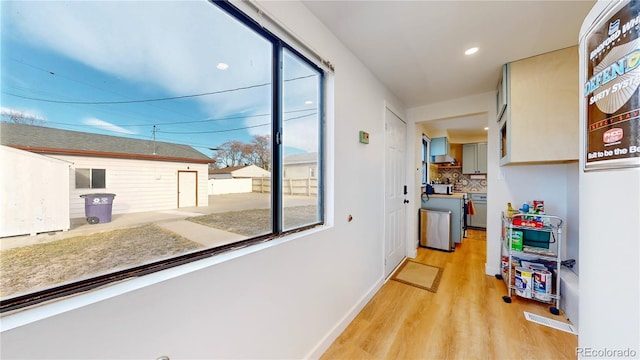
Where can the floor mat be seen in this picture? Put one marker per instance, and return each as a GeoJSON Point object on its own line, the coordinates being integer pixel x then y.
{"type": "Point", "coordinates": [420, 275]}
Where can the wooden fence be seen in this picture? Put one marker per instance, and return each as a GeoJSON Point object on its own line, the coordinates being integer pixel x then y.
{"type": "Point", "coordinates": [290, 186]}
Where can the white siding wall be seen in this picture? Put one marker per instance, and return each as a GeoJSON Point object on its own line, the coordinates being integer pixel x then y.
{"type": "Point", "coordinates": [35, 193]}
{"type": "Point", "coordinates": [300, 171]}
{"type": "Point", "coordinates": [139, 185]}
{"type": "Point", "coordinates": [229, 186]}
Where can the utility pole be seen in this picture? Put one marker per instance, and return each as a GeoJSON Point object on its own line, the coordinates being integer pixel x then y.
{"type": "Point", "coordinates": [154, 139]}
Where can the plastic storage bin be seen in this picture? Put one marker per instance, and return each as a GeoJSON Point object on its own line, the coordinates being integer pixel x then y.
{"type": "Point", "coordinates": [97, 207]}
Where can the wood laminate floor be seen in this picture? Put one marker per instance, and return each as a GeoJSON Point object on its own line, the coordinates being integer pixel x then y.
{"type": "Point", "coordinates": [465, 319]}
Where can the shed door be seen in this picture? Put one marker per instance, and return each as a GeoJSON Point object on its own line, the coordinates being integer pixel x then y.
{"type": "Point", "coordinates": [187, 188]}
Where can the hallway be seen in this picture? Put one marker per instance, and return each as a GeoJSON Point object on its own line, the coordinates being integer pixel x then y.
{"type": "Point", "coordinates": [465, 319]}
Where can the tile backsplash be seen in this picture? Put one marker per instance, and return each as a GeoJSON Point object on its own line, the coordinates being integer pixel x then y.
{"type": "Point", "coordinates": [462, 182]}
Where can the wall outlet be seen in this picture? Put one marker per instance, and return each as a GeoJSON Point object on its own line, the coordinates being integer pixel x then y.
{"type": "Point", "coordinates": [364, 137]}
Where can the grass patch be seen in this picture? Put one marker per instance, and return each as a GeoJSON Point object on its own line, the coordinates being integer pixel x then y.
{"type": "Point", "coordinates": [36, 267]}
{"type": "Point", "coordinates": [257, 221]}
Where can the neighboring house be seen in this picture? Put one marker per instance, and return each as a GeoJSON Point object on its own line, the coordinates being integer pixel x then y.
{"type": "Point", "coordinates": [235, 179]}
{"type": "Point", "coordinates": [301, 166]}
{"type": "Point", "coordinates": [35, 193]}
{"type": "Point", "coordinates": [235, 172]}
{"type": "Point", "coordinates": [144, 175]}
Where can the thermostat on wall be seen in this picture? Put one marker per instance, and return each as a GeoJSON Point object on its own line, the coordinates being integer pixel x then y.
{"type": "Point", "coordinates": [364, 137]}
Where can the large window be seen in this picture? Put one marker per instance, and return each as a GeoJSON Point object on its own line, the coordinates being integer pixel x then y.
{"type": "Point", "coordinates": [201, 116]}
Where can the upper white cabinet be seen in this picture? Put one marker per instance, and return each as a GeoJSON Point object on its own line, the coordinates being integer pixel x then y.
{"type": "Point", "coordinates": [474, 158]}
{"type": "Point", "coordinates": [540, 123]}
{"type": "Point", "coordinates": [439, 146]}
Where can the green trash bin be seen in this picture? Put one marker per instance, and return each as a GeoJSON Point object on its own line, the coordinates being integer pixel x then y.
{"type": "Point", "coordinates": [97, 207]}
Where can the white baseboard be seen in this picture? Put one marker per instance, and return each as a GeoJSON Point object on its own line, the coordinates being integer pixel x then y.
{"type": "Point", "coordinates": [339, 328]}
{"type": "Point", "coordinates": [491, 270]}
{"type": "Point", "coordinates": [569, 295]}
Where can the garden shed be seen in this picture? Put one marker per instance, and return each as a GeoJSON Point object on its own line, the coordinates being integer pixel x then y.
{"type": "Point", "coordinates": [145, 175]}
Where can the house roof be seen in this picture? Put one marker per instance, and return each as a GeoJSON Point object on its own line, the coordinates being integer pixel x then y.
{"type": "Point", "coordinates": [304, 158]}
{"type": "Point", "coordinates": [48, 140]}
{"type": "Point", "coordinates": [241, 171]}
{"type": "Point", "coordinates": [225, 170]}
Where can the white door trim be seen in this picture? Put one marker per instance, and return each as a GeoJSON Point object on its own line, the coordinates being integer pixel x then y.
{"type": "Point", "coordinates": [395, 211]}
{"type": "Point", "coordinates": [181, 187]}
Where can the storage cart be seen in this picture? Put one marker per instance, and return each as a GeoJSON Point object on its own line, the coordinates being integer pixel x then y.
{"type": "Point", "coordinates": [531, 257]}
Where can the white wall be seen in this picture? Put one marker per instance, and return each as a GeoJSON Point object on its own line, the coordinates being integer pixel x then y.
{"type": "Point", "coordinates": [572, 243]}
{"type": "Point", "coordinates": [288, 300]}
{"type": "Point", "coordinates": [35, 193]}
{"type": "Point", "coordinates": [609, 251]}
{"type": "Point", "coordinates": [139, 185]}
{"type": "Point", "coordinates": [230, 186]}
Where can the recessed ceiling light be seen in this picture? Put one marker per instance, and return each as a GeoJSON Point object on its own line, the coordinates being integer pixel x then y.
{"type": "Point", "coordinates": [308, 102]}
{"type": "Point", "coordinates": [471, 51]}
{"type": "Point", "coordinates": [222, 66]}
{"type": "Point", "coordinates": [486, 128]}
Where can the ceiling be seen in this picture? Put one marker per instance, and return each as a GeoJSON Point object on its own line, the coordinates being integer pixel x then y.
{"type": "Point", "coordinates": [416, 48]}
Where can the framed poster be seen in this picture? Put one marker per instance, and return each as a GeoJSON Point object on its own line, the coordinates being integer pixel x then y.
{"type": "Point", "coordinates": [611, 89]}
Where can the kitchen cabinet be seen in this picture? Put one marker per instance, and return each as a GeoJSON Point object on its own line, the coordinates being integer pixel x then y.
{"type": "Point", "coordinates": [439, 146]}
{"type": "Point", "coordinates": [474, 158]}
{"type": "Point", "coordinates": [479, 219]}
{"type": "Point", "coordinates": [541, 121]}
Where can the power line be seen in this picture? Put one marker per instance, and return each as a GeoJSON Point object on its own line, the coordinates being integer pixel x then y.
{"type": "Point", "coordinates": [229, 130]}
{"type": "Point", "coordinates": [148, 100]}
{"type": "Point", "coordinates": [189, 122]}
{"type": "Point", "coordinates": [57, 74]}
{"type": "Point", "coordinates": [134, 101]}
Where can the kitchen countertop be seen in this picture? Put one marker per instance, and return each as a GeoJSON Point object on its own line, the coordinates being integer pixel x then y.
{"type": "Point", "coordinates": [442, 196]}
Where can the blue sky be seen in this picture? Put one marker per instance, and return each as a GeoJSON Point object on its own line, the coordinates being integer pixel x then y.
{"type": "Point", "coordinates": [119, 68]}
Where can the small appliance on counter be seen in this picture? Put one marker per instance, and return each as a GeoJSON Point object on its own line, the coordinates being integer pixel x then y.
{"type": "Point", "coordinates": [446, 189]}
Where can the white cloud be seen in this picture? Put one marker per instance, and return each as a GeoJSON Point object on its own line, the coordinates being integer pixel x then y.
{"type": "Point", "coordinates": [172, 44]}
{"type": "Point", "coordinates": [103, 125]}
{"type": "Point", "coordinates": [298, 133]}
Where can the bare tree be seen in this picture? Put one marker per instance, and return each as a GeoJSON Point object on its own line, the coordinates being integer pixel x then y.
{"type": "Point", "coordinates": [236, 153]}
{"type": "Point", "coordinates": [231, 153]}
{"type": "Point", "coordinates": [261, 151]}
{"type": "Point", "coordinates": [20, 117]}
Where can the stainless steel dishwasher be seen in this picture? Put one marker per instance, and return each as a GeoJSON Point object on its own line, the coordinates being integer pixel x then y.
{"type": "Point", "coordinates": [479, 220]}
{"type": "Point", "coordinates": [435, 229]}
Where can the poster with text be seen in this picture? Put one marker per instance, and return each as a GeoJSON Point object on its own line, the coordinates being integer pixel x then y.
{"type": "Point", "coordinates": [611, 94]}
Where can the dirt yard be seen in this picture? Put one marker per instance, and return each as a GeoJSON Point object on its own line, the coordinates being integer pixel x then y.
{"type": "Point", "coordinates": [258, 221]}
{"type": "Point", "coordinates": [36, 267]}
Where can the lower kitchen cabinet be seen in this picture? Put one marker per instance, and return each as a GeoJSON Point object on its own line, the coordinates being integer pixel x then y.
{"type": "Point", "coordinates": [479, 219]}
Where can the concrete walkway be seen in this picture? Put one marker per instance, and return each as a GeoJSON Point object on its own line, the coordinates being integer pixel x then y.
{"type": "Point", "coordinates": [202, 234]}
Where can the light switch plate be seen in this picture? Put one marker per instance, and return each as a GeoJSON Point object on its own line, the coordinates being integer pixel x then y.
{"type": "Point", "coordinates": [364, 137]}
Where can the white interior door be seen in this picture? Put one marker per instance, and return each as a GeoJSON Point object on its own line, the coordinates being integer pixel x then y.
{"type": "Point", "coordinates": [187, 188]}
{"type": "Point", "coordinates": [395, 210]}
